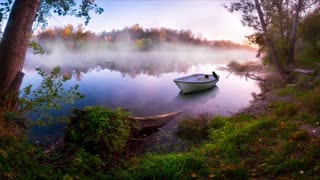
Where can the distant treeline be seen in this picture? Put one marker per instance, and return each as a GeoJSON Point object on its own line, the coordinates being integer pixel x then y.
{"type": "Point", "coordinates": [143, 39]}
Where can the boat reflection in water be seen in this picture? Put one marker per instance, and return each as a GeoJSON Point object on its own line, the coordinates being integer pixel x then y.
{"type": "Point", "coordinates": [196, 98]}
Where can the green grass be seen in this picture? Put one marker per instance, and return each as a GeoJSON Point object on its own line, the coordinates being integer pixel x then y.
{"type": "Point", "coordinates": [194, 128]}
{"type": "Point", "coordinates": [287, 91]}
{"type": "Point", "coordinates": [311, 102]}
{"type": "Point", "coordinates": [284, 109]}
{"type": "Point", "coordinates": [168, 166]}
{"type": "Point", "coordinates": [240, 147]}
{"type": "Point", "coordinates": [267, 146]}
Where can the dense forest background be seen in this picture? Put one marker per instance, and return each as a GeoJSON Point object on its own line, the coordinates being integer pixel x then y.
{"type": "Point", "coordinates": [136, 35]}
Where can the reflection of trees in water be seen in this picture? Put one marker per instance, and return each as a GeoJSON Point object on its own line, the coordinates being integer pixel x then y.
{"type": "Point", "coordinates": [148, 68]}
{"type": "Point", "coordinates": [132, 69]}
{"type": "Point", "coordinates": [132, 64]}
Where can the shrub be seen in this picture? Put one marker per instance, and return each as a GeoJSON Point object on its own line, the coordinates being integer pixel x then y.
{"type": "Point", "coordinates": [194, 128]}
{"type": "Point", "coordinates": [273, 81]}
{"type": "Point", "coordinates": [99, 130]}
{"type": "Point", "coordinates": [50, 95]}
{"type": "Point", "coordinates": [167, 166]}
{"type": "Point", "coordinates": [86, 162]}
{"type": "Point", "coordinates": [198, 127]}
{"type": "Point", "coordinates": [286, 110]}
{"type": "Point", "coordinates": [311, 102]}
{"type": "Point", "coordinates": [18, 160]}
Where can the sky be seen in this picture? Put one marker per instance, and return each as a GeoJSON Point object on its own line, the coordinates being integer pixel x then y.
{"type": "Point", "coordinates": [207, 18]}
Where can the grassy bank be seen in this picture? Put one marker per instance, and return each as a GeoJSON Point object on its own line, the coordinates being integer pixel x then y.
{"type": "Point", "coordinates": [240, 147]}
{"type": "Point", "coordinates": [272, 142]}
{"type": "Point", "coordinates": [268, 143]}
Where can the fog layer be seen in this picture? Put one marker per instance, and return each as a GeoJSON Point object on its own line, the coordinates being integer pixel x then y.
{"type": "Point", "coordinates": [164, 58]}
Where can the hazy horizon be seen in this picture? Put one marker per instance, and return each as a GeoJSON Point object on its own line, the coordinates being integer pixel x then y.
{"type": "Point", "coordinates": [206, 18]}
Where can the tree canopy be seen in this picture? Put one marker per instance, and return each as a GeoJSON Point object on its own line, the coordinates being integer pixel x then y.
{"type": "Point", "coordinates": [278, 24]}
{"type": "Point", "coordinates": [23, 17]}
{"type": "Point", "coordinates": [48, 8]}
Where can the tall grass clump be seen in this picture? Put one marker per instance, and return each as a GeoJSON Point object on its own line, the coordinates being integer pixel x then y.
{"type": "Point", "coordinates": [283, 109]}
{"type": "Point", "coordinates": [197, 127]}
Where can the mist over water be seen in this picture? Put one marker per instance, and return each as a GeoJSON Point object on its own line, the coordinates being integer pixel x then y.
{"type": "Point", "coordinates": [142, 81]}
{"type": "Point", "coordinates": [120, 57]}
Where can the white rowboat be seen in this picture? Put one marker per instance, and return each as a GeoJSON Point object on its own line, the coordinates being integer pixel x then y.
{"type": "Point", "coordinates": [196, 82]}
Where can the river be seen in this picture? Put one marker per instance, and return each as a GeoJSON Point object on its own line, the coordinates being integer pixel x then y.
{"type": "Point", "coordinates": [142, 82]}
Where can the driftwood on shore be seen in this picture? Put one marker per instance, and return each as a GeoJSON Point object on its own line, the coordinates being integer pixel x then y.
{"type": "Point", "coordinates": [305, 71]}
{"type": "Point", "coordinates": [247, 75]}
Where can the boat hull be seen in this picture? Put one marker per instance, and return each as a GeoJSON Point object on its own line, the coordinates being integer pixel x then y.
{"type": "Point", "coordinates": [154, 122]}
{"type": "Point", "coordinates": [190, 83]}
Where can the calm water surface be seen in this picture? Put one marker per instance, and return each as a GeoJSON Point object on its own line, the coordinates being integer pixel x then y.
{"type": "Point", "coordinates": [143, 82]}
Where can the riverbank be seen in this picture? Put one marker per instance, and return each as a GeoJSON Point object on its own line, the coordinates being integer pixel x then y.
{"type": "Point", "coordinates": [276, 136]}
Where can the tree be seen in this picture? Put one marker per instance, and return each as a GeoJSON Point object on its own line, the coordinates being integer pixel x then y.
{"type": "Point", "coordinates": [268, 39]}
{"type": "Point", "coordinates": [274, 21]}
{"type": "Point", "coordinates": [293, 33]}
{"type": "Point", "coordinates": [311, 34]}
{"type": "Point", "coordinates": [15, 40]}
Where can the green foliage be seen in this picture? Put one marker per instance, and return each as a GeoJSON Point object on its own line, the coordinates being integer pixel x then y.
{"type": "Point", "coordinates": [308, 118]}
{"type": "Point", "coordinates": [311, 102]}
{"type": "Point", "coordinates": [64, 8]}
{"type": "Point", "coordinates": [87, 163]}
{"type": "Point", "coordinates": [194, 128]}
{"type": "Point", "coordinates": [50, 95]}
{"type": "Point", "coordinates": [99, 130]}
{"type": "Point", "coordinates": [289, 90]}
{"type": "Point", "coordinates": [241, 147]}
{"type": "Point", "coordinates": [218, 122]}
{"type": "Point", "coordinates": [262, 146]}
{"type": "Point", "coordinates": [18, 159]}
{"type": "Point", "coordinates": [144, 43]}
{"type": "Point", "coordinates": [5, 8]}
{"type": "Point", "coordinates": [169, 166]}
{"type": "Point", "coordinates": [15, 118]}
{"type": "Point", "coordinates": [283, 109]}
{"type": "Point", "coordinates": [311, 33]}
{"type": "Point", "coordinates": [137, 37]}
{"type": "Point", "coordinates": [37, 49]}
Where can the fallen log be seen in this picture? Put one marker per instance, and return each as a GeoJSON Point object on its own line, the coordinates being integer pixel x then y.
{"type": "Point", "coordinates": [305, 71]}
{"type": "Point", "coordinates": [254, 77]}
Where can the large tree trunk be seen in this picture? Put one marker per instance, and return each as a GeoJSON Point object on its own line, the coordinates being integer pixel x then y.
{"type": "Point", "coordinates": [14, 44]}
{"type": "Point", "coordinates": [269, 42]}
{"type": "Point", "coordinates": [292, 42]}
